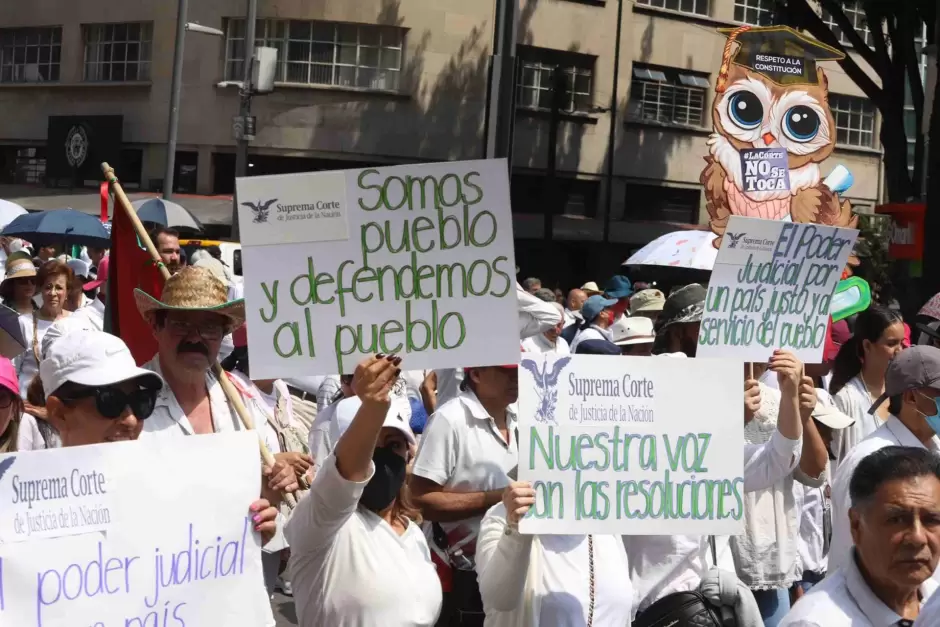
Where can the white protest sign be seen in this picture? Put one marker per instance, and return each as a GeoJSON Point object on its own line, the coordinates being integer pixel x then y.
{"type": "Point", "coordinates": [771, 288]}
{"type": "Point", "coordinates": [179, 550]}
{"type": "Point", "coordinates": [415, 260]}
{"type": "Point", "coordinates": [631, 445]}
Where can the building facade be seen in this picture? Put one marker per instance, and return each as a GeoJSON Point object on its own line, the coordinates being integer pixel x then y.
{"type": "Point", "coordinates": [362, 82]}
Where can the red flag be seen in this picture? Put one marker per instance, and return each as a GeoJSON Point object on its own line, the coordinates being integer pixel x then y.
{"type": "Point", "coordinates": [130, 267]}
{"type": "Point", "coordinates": [103, 192]}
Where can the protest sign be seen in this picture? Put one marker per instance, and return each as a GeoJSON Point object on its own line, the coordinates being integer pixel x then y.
{"type": "Point", "coordinates": [765, 169]}
{"type": "Point", "coordinates": [771, 288]}
{"type": "Point", "coordinates": [415, 260]}
{"type": "Point", "coordinates": [633, 445]}
{"type": "Point", "coordinates": [163, 559]}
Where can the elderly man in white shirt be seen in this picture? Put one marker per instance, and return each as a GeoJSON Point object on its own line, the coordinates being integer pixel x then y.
{"type": "Point", "coordinates": [895, 519]}
{"type": "Point", "coordinates": [911, 385]}
{"type": "Point", "coordinates": [550, 341]}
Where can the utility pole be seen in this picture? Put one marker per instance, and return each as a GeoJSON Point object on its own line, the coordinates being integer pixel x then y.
{"type": "Point", "coordinates": [614, 121]}
{"type": "Point", "coordinates": [551, 195]}
{"type": "Point", "coordinates": [241, 156]}
{"type": "Point", "coordinates": [176, 87]}
{"type": "Point", "coordinates": [500, 108]}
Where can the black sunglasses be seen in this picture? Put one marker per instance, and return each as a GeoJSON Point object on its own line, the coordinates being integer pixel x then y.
{"type": "Point", "coordinates": [110, 401]}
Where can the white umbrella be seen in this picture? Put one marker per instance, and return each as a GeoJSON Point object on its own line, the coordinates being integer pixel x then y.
{"type": "Point", "coordinates": [9, 211]}
{"type": "Point", "coordinates": [166, 213]}
{"type": "Point", "coordinates": [681, 249]}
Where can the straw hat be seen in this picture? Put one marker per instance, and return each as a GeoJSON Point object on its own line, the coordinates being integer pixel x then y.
{"type": "Point", "coordinates": [193, 289]}
{"type": "Point", "coordinates": [20, 265]}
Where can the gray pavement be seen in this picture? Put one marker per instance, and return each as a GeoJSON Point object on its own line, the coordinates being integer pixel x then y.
{"type": "Point", "coordinates": [284, 612]}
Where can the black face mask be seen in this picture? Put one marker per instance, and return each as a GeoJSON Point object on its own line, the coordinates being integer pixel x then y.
{"type": "Point", "coordinates": [384, 485]}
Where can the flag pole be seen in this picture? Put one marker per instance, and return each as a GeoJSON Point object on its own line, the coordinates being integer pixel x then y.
{"type": "Point", "coordinates": [230, 392]}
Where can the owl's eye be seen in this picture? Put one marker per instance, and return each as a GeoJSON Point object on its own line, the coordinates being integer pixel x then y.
{"type": "Point", "coordinates": [801, 124]}
{"type": "Point", "coordinates": [746, 110]}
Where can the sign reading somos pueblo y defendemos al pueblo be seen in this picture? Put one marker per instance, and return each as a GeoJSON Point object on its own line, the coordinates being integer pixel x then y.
{"type": "Point", "coordinates": [772, 288]}
{"type": "Point", "coordinates": [100, 536]}
{"type": "Point", "coordinates": [632, 445]}
{"type": "Point", "coordinates": [415, 260]}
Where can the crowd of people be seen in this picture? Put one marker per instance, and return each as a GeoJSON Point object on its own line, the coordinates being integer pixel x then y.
{"type": "Point", "coordinates": [407, 501]}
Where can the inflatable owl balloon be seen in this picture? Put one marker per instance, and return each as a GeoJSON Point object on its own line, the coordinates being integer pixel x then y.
{"type": "Point", "coordinates": [772, 131]}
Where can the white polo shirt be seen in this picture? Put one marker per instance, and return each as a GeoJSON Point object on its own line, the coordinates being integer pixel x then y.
{"type": "Point", "coordinates": [462, 450]}
{"type": "Point", "coordinates": [349, 568]}
{"type": "Point", "coordinates": [891, 433]}
{"type": "Point", "coordinates": [845, 600]}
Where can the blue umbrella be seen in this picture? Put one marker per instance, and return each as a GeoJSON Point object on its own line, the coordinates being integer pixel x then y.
{"type": "Point", "coordinates": [59, 226]}
{"type": "Point", "coordinates": [166, 213]}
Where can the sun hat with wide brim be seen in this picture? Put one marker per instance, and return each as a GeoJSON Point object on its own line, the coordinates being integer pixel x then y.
{"type": "Point", "coordinates": [19, 265]}
{"type": "Point", "coordinates": [193, 289]}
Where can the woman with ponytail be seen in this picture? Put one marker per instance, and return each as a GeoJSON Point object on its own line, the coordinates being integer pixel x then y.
{"type": "Point", "coordinates": [858, 374]}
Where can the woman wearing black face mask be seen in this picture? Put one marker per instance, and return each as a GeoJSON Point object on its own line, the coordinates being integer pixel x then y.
{"type": "Point", "coordinates": [357, 557]}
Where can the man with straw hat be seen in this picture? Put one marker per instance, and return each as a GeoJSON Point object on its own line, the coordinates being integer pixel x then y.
{"type": "Point", "coordinates": [189, 322]}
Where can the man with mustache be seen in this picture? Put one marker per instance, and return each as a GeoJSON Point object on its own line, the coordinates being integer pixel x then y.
{"type": "Point", "coordinates": [189, 322]}
{"type": "Point", "coordinates": [895, 520]}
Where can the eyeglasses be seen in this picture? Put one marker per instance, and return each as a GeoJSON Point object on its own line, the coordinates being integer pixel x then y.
{"type": "Point", "coordinates": [6, 399]}
{"type": "Point", "coordinates": [208, 331]}
{"type": "Point", "coordinates": [111, 402]}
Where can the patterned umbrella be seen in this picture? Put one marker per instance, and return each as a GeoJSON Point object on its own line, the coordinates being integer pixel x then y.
{"type": "Point", "coordinates": [681, 249]}
{"type": "Point", "coordinates": [167, 213]}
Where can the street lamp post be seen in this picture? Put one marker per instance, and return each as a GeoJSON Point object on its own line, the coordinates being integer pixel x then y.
{"type": "Point", "coordinates": [175, 90]}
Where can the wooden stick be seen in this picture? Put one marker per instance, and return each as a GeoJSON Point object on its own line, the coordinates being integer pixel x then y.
{"type": "Point", "coordinates": [750, 370]}
{"type": "Point", "coordinates": [231, 394]}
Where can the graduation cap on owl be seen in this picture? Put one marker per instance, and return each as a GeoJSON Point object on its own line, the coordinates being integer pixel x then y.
{"type": "Point", "coordinates": [779, 53]}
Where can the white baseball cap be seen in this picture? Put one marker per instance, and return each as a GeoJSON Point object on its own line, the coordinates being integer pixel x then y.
{"type": "Point", "coordinates": [627, 331]}
{"type": "Point", "coordinates": [398, 417]}
{"type": "Point", "coordinates": [79, 267]}
{"type": "Point", "coordinates": [92, 359]}
{"type": "Point", "coordinates": [829, 414]}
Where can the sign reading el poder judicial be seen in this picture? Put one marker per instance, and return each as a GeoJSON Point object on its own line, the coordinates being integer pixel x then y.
{"type": "Point", "coordinates": [99, 536]}
{"type": "Point", "coordinates": [632, 445]}
{"type": "Point", "coordinates": [415, 260]}
{"type": "Point", "coordinates": [771, 288]}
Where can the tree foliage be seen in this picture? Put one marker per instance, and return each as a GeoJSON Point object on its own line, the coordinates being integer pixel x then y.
{"type": "Point", "coordinates": [892, 56]}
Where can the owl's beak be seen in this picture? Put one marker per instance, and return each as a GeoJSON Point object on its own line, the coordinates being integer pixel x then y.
{"type": "Point", "coordinates": [768, 138]}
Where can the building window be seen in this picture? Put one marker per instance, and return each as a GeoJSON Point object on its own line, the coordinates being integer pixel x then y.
{"type": "Point", "coordinates": [855, 120]}
{"type": "Point", "coordinates": [663, 204]}
{"type": "Point", "coordinates": [322, 53]}
{"type": "Point", "coordinates": [580, 196]}
{"type": "Point", "coordinates": [667, 96]}
{"type": "Point", "coordinates": [536, 67]}
{"type": "Point", "coordinates": [853, 10]}
{"type": "Point", "coordinates": [30, 55]}
{"type": "Point", "coordinates": [756, 12]}
{"type": "Point", "coordinates": [699, 7]}
{"type": "Point", "coordinates": [118, 52]}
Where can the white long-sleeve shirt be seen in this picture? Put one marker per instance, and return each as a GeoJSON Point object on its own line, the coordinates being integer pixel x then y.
{"type": "Point", "coordinates": [661, 565]}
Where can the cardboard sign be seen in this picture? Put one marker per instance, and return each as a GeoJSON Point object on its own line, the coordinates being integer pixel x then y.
{"type": "Point", "coordinates": [178, 546]}
{"type": "Point", "coordinates": [765, 169]}
{"type": "Point", "coordinates": [415, 260]}
{"type": "Point", "coordinates": [632, 445]}
{"type": "Point", "coordinates": [772, 288]}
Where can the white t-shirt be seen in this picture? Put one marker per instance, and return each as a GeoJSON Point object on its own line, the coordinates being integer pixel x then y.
{"type": "Point", "coordinates": [540, 344]}
{"type": "Point", "coordinates": [565, 586]}
{"type": "Point", "coordinates": [812, 544]}
{"type": "Point", "coordinates": [462, 450]}
{"type": "Point", "coordinates": [25, 363]}
{"type": "Point", "coordinates": [349, 568]}
{"type": "Point", "coordinates": [29, 437]}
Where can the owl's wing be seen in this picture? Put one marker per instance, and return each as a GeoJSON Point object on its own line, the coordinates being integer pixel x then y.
{"type": "Point", "coordinates": [806, 205]}
{"type": "Point", "coordinates": [821, 206]}
{"type": "Point", "coordinates": [716, 198]}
